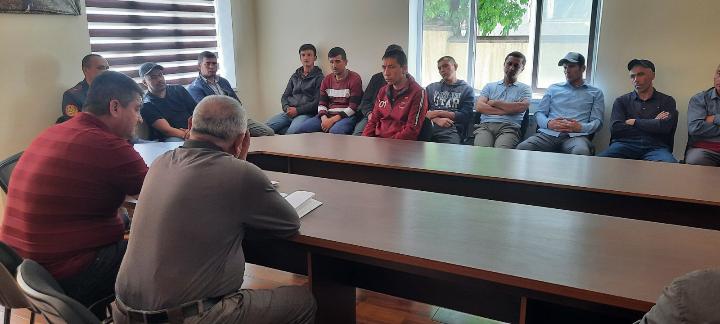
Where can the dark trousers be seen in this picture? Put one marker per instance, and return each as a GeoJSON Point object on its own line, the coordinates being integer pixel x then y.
{"type": "Point", "coordinates": [97, 281]}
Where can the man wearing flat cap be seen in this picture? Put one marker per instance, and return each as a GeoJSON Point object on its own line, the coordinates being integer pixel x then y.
{"type": "Point", "coordinates": [166, 108]}
{"type": "Point", "coordinates": [643, 122]}
{"type": "Point", "coordinates": [569, 113]}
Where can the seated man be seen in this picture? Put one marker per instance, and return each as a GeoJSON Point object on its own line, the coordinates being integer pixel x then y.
{"type": "Point", "coordinates": [401, 105]}
{"type": "Point", "coordinates": [62, 204]}
{"type": "Point", "coordinates": [569, 112]}
{"type": "Point", "coordinates": [340, 94]}
{"type": "Point", "coordinates": [450, 104]}
{"type": "Point", "coordinates": [503, 105]}
{"type": "Point", "coordinates": [198, 259]}
{"type": "Point", "coordinates": [209, 83]}
{"type": "Point", "coordinates": [74, 98]}
{"type": "Point", "coordinates": [166, 108]}
{"type": "Point", "coordinates": [377, 81]}
{"type": "Point", "coordinates": [704, 126]}
{"type": "Point", "coordinates": [301, 96]}
{"type": "Point", "coordinates": [691, 298]}
{"type": "Point", "coordinates": [643, 121]}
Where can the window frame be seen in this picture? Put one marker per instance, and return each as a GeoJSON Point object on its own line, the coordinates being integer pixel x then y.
{"type": "Point", "coordinates": [416, 36]}
{"type": "Point", "coordinates": [125, 46]}
{"type": "Point", "coordinates": [592, 39]}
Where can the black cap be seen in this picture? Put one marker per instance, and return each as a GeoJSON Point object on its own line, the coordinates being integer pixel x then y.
{"type": "Point", "coordinates": [573, 57]}
{"type": "Point", "coordinates": [145, 68]}
{"type": "Point", "coordinates": [394, 47]}
{"type": "Point", "coordinates": [644, 63]}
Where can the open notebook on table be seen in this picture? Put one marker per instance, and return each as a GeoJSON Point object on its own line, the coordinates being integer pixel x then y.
{"type": "Point", "coordinates": [302, 201]}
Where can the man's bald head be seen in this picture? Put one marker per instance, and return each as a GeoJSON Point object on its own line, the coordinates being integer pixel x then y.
{"type": "Point", "coordinates": [221, 117]}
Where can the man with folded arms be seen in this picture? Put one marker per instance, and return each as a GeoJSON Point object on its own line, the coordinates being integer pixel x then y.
{"type": "Point", "coordinates": [503, 105]}
{"type": "Point", "coordinates": [63, 200]}
{"type": "Point", "coordinates": [569, 113]}
{"type": "Point", "coordinates": [401, 105]}
{"type": "Point", "coordinates": [643, 121]}
{"type": "Point", "coordinates": [185, 261]}
{"type": "Point", "coordinates": [704, 126]}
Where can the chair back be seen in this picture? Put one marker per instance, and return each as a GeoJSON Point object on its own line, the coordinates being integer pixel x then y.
{"type": "Point", "coordinates": [10, 294]}
{"type": "Point", "coordinates": [49, 298]}
{"type": "Point", "coordinates": [6, 169]}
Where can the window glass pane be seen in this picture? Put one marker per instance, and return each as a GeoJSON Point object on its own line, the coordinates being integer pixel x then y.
{"type": "Point", "coordinates": [491, 50]}
{"type": "Point", "coordinates": [445, 32]}
{"type": "Point", "coordinates": [565, 28]}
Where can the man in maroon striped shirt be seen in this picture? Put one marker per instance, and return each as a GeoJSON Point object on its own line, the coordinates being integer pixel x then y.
{"type": "Point", "coordinates": [63, 200]}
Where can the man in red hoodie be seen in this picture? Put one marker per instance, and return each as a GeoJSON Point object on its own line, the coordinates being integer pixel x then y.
{"type": "Point", "coordinates": [401, 105]}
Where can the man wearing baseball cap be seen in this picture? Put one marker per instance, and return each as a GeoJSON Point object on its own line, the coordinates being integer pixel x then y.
{"type": "Point", "coordinates": [569, 113]}
{"type": "Point", "coordinates": [643, 122]}
{"type": "Point", "coordinates": [166, 108]}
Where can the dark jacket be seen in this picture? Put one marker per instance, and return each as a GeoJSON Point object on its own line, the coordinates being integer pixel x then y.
{"type": "Point", "coordinates": [658, 131]}
{"type": "Point", "coordinates": [303, 92]}
{"type": "Point", "coordinates": [199, 88]}
{"type": "Point", "coordinates": [368, 100]}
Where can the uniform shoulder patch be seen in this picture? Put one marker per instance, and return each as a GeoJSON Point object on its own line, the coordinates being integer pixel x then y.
{"type": "Point", "coordinates": [71, 110]}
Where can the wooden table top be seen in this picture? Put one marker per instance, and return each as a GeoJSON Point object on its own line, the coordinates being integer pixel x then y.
{"type": "Point", "coordinates": [150, 151]}
{"type": "Point", "coordinates": [674, 182]}
{"type": "Point", "coordinates": [601, 259]}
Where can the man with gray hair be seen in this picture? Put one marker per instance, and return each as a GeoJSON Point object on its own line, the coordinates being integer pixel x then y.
{"type": "Point", "coordinates": [203, 197]}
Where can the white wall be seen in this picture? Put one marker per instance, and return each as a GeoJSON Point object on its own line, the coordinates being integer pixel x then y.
{"type": "Point", "coordinates": [41, 58]}
{"type": "Point", "coordinates": [362, 28]}
{"type": "Point", "coordinates": [680, 37]}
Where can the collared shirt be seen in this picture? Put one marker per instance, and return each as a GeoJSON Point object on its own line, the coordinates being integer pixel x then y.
{"type": "Point", "coordinates": [515, 92]}
{"type": "Point", "coordinates": [703, 104]}
{"type": "Point", "coordinates": [646, 127]}
{"type": "Point", "coordinates": [584, 104]}
{"type": "Point", "coordinates": [186, 244]}
{"type": "Point", "coordinates": [214, 86]}
{"type": "Point", "coordinates": [65, 191]}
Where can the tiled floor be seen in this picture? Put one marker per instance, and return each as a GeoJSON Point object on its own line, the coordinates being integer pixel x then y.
{"type": "Point", "coordinates": [372, 308]}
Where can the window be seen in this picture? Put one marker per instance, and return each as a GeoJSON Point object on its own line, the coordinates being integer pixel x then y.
{"type": "Point", "coordinates": [480, 33]}
{"type": "Point", "coordinates": [169, 32]}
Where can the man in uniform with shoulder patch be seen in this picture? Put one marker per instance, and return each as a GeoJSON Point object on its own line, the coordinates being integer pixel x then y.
{"type": "Point", "coordinates": [74, 98]}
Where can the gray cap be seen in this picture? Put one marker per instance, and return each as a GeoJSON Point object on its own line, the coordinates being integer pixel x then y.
{"type": "Point", "coordinates": [145, 68]}
{"type": "Point", "coordinates": [573, 57]}
{"type": "Point", "coordinates": [641, 62]}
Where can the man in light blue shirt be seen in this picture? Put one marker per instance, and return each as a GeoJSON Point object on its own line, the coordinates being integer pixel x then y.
{"type": "Point", "coordinates": [503, 105]}
{"type": "Point", "coordinates": [569, 113]}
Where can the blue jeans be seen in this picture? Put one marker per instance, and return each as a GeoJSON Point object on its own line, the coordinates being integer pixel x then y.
{"type": "Point", "coordinates": [282, 124]}
{"type": "Point", "coordinates": [638, 150]}
{"type": "Point", "coordinates": [342, 126]}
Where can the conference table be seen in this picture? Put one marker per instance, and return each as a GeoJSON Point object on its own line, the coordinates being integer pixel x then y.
{"type": "Point", "coordinates": [505, 261]}
{"type": "Point", "coordinates": [660, 192]}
